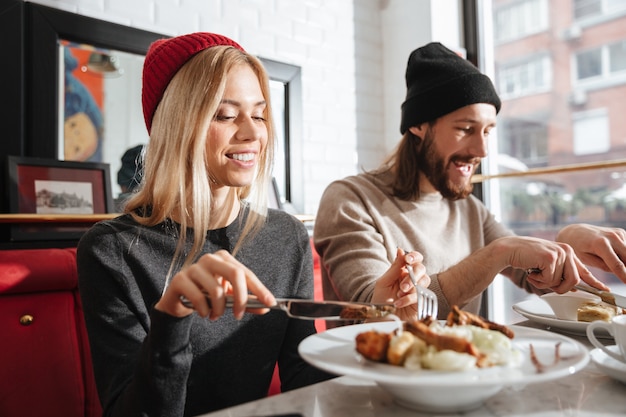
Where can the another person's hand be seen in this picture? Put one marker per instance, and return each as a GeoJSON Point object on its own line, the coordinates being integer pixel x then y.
{"type": "Point", "coordinates": [596, 246]}
{"type": "Point", "coordinates": [550, 265]}
{"type": "Point", "coordinates": [395, 285]}
{"type": "Point", "coordinates": [213, 275]}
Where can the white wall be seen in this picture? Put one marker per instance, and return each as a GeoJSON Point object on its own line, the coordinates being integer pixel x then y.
{"type": "Point", "coordinates": [352, 53]}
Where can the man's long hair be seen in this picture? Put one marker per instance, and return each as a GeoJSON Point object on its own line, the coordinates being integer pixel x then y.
{"type": "Point", "coordinates": [404, 166]}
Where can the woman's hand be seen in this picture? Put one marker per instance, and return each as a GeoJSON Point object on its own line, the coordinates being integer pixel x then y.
{"type": "Point", "coordinates": [214, 275]}
{"type": "Point", "coordinates": [395, 285]}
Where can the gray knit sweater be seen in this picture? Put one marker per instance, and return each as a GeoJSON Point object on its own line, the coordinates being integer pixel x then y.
{"type": "Point", "coordinates": [148, 363]}
{"type": "Point", "coordinates": [361, 224]}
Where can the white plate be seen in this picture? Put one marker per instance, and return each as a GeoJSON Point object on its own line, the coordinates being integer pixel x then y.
{"type": "Point", "coordinates": [334, 351]}
{"type": "Point", "coordinates": [538, 311]}
{"type": "Point", "coordinates": [612, 367]}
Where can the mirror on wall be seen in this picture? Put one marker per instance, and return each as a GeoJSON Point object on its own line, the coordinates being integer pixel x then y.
{"type": "Point", "coordinates": [82, 87]}
{"type": "Point", "coordinates": [100, 116]}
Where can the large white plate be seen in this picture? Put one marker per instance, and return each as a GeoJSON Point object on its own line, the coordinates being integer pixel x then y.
{"type": "Point", "coordinates": [538, 311]}
{"type": "Point", "coordinates": [334, 351]}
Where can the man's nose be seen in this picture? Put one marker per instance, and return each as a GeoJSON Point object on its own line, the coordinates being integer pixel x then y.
{"type": "Point", "coordinates": [479, 145]}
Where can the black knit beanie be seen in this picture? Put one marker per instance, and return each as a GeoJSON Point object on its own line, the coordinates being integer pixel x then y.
{"type": "Point", "coordinates": [439, 82]}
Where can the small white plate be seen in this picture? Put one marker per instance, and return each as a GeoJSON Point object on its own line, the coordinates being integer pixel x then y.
{"type": "Point", "coordinates": [612, 367]}
{"type": "Point", "coordinates": [538, 311]}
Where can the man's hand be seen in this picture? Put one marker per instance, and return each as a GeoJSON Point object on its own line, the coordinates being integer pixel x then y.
{"type": "Point", "coordinates": [395, 285]}
{"type": "Point", "coordinates": [599, 247]}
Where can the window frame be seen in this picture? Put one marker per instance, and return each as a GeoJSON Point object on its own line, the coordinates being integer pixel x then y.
{"type": "Point", "coordinates": [291, 77]}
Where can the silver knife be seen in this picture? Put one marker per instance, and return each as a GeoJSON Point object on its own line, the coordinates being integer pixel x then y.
{"type": "Point", "coordinates": [314, 310]}
{"type": "Point", "coordinates": [607, 297]}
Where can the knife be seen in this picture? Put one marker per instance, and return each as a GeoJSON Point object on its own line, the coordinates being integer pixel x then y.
{"type": "Point", "coordinates": [314, 310]}
{"type": "Point", "coordinates": [606, 296]}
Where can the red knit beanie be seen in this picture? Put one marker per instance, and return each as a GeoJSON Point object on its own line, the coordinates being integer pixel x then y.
{"type": "Point", "coordinates": [165, 57]}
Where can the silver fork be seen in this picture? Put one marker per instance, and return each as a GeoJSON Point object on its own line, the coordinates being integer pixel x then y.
{"type": "Point", "coordinates": [427, 304]}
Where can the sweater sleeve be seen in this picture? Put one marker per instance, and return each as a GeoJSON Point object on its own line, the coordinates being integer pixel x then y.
{"type": "Point", "coordinates": [494, 230]}
{"type": "Point", "coordinates": [354, 246]}
{"type": "Point", "coordinates": [141, 358]}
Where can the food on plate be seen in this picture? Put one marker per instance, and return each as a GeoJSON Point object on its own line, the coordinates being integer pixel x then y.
{"type": "Point", "coordinates": [582, 306]}
{"type": "Point", "coordinates": [591, 312]}
{"type": "Point", "coordinates": [465, 341]}
{"type": "Point", "coordinates": [541, 367]}
{"type": "Point", "coordinates": [366, 312]}
{"type": "Point", "coordinates": [565, 306]}
{"type": "Point", "coordinates": [458, 316]}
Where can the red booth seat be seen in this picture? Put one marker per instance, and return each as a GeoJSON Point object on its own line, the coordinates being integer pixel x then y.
{"type": "Point", "coordinates": [46, 368]}
{"type": "Point", "coordinates": [46, 363]}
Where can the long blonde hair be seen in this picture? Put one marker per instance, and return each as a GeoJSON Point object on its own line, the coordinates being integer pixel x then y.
{"type": "Point", "coordinates": [177, 179]}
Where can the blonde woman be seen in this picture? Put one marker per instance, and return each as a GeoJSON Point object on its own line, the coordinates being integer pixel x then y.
{"type": "Point", "coordinates": [197, 225]}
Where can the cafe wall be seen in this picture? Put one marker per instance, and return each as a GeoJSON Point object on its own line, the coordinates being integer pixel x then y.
{"type": "Point", "coordinates": [352, 55]}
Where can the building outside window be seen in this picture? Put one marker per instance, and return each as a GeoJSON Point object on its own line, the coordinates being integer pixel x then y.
{"type": "Point", "coordinates": [560, 152]}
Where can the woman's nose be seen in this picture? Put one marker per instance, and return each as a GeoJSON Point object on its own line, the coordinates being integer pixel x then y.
{"type": "Point", "coordinates": [250, 129]}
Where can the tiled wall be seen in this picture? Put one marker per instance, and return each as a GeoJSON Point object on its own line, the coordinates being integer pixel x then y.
{"type": "Point", "coordinates": [337, 43]}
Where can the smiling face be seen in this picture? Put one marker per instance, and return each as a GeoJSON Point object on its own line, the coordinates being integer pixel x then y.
{"type": "Point", "coordinates": [238, 133]}
{"type": "Point", "coordinates": [453, 147]}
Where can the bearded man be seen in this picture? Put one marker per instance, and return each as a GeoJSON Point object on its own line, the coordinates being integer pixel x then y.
{"type": "Point", "coordinates": [420, 199]}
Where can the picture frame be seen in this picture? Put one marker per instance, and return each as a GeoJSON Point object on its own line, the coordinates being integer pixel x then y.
{"type": "Point", "coordinates": [57, 188]}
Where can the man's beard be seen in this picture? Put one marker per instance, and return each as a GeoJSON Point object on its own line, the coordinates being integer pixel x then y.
{"type": "Point", "coordinates": [433, 167]}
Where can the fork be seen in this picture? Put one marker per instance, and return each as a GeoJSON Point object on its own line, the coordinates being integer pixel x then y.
{"type": "Point", "coordinates": [427, 305]}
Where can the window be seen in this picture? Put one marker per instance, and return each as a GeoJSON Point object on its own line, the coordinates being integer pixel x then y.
{"type": "Point", "coordinates": [591, 132]}
{"type": "Point", "coordinates": [519, 19]}
{"type": "Point", "coordinates": [524, 140]}
{"type": "Point", "coordinates": [591, 8]}
{"type": "Point", "coordinates": [606, 62]}
{"type": "Point", "coordinates": [528, 77]}
{"type": "Point", "coordinates": [617, 57]}
{"type": "Point", "coordinates": [589, 64]}
{"type": "Point", "coordinates": [560, 125]}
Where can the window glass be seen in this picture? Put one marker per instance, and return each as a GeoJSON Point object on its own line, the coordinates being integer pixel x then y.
{"type": "Point", "coordinates": [589, 64]}
{"type": "Point", "coordinates": [591, 132]}
{"type": "Point", "coordinates": [559, 154]}
{"type": "Point", "coordinates": [527, 77]}
{"type": "Point", "coordinates": [522, 18]}
{"type": "Point", "coordinates": [586, 8]}
{"type": "Point", "coordinates": [617, 57]}
{"type": "Point", "coordinates": [591, 8]}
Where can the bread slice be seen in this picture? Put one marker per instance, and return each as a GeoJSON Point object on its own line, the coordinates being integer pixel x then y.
{"type": "Point", "coordinates": [591, 312]}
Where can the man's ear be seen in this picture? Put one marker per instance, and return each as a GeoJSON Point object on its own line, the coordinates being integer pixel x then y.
{"type": "Point", "coordinates": [418, 130]}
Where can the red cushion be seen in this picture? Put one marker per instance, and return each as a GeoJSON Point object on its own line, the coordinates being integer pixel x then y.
{"type": "Point", "coordinates": [37, 270]}
{"type": "Point", "coordinates": [42, 365]}
{"type": "Point", "coordinates": [46, 367]}
{"type": "Point", "coordinates": [318, 293]}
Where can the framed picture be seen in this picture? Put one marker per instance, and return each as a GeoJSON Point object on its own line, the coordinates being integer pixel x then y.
{"type": "Point", "coordinates": [52, 187]}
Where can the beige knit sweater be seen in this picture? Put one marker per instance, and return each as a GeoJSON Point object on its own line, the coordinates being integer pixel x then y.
{"type": "Point", "coordinates": [360, 225]}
